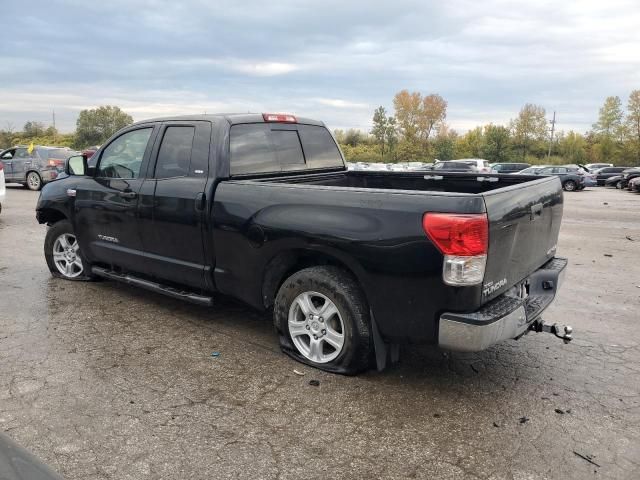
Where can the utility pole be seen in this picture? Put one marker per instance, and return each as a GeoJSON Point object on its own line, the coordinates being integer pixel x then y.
{"type": "Point", "coordinates": [553, 127]}
{"type": "Point", "coordinates": [53, 112]}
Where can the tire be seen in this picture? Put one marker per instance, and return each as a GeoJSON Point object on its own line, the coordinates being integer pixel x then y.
{"type": "Point", "coordinates": [351, 319]}
{"type": "Point", "coordinates": [619, 184]}
{"type": "Point", "coordinates": [569, 185]}
{"type": "Point", "coordinates": [34, 181]}
{"type": "Point", "coordinates": [57, 253]}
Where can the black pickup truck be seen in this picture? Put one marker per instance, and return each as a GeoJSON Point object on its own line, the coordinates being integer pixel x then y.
{"type": "Point", "coordinates": [353, 263]}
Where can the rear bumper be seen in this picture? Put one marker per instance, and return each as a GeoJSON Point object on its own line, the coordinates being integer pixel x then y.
{"type": "Point", "coordinates": [505, 317]}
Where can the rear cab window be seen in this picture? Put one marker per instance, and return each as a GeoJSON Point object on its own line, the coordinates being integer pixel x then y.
{"type": "Point", "coordinates": [280, 147]}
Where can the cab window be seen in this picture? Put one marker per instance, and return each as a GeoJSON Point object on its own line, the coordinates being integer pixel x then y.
{"type": "Point", "coordinates": [174, 157]}
{"type": "Point", "coordinates": [122, 158]}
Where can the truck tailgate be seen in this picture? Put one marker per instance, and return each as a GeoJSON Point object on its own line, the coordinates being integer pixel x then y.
{"type": "Point", "coordinates": [524, 223]}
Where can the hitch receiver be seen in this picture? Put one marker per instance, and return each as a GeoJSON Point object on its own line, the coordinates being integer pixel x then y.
{"type": "Point", "coordinates": [561, 331]}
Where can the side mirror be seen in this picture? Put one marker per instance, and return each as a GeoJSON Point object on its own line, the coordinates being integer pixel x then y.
{"type": "Point", "coordinates": [76, 165]}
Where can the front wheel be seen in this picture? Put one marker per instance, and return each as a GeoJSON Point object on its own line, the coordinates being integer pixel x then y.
{"type": "Point", "coordinates": [62, 253]}
{"type": "Point", "coordinates": [619, 185]}
{"type": "Point", "coordinates": [34, 181]}
{"type": "Point", "coordinates": [569, 185]}
{"type": "Point", "coordinates": [322, 319]}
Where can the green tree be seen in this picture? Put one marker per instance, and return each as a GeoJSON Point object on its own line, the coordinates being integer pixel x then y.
{"type": "Point", "coordinates": [530, 126]}
{"type": "Point", "coordinates": [94, 126]}
{"type": "Point", "coordinates": [391, 135]}
{"type": "Point", "coordinates": [471, 144]}
{"type": "Point", "coordinates": [33, 129]}
{"type": "Point", "coordinates": [633, 123]}
{"type": "Point", "coordinates": [573, 147]}
{"type": "Point", "coordinates": [444, 144]}
{"type": "Point", "coordinates": [496, 146]}
{"type": "Point", "coordinates": [379, 130]}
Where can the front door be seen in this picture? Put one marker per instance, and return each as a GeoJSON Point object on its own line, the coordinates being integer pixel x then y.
{"type": "Point", "coordinates": [173, 224]}
{"type": "Point", "coordinates": [7, 161]}
{"type": "Point", "coordinates": [21, 160]}
{"type": "Point", "coordinates": [106, 206]}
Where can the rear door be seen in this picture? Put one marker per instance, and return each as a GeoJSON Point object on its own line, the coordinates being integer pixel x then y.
{"type": "Point", "coordinates": [106, 206]}
{"type": "Point", "coordinates": [524, 223]}
{"type": "Point", "coordinates": [173, 204]}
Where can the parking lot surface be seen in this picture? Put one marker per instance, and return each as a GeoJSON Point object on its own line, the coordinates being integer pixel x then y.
{"type": "Point", "coordinates": [105, 381]}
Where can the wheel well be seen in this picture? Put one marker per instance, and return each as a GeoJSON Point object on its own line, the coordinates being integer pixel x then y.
{"type": "Point", "coordinates": [284, 265]}
{"type": "Point", "coordinates": [50, 216]}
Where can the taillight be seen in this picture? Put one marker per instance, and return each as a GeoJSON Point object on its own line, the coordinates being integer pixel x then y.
{"type": "Point", "coordinates": [279, 117]}
{"type": "Point", "coordinates": [54, 162]}
{"type": "Point", "coordinates": [1, 166]}
{"type": "Point", "coordinates": [464, 241]}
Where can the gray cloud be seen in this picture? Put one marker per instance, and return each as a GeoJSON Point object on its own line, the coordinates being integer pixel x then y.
{"type": "Point", "coordinates": [336, 61]}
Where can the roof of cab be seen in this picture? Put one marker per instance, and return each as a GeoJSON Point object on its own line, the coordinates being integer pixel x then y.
{"type": "Point", "coordinates": [232, 118]}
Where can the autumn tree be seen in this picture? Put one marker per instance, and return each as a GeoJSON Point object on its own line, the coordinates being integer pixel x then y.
{"type": "Point", "coordinates": [94, 126]}
{"type": "Point", "coordinates": [419, 117]}
{"type": "Point", "coordinates": [529, 126]}
{"type": "Point", "coordinates": [609, 128]}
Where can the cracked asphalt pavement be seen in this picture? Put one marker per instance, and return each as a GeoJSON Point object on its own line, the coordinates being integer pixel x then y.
{"type": "Point", "coordinates": [105, 381]}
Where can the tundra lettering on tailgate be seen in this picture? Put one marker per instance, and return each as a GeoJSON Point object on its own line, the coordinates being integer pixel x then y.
{"type": "Point", "coordinates": [490, 287]}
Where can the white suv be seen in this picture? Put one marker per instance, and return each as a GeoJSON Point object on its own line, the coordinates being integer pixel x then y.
{"type": "Point", "coordinates": [479, 164]}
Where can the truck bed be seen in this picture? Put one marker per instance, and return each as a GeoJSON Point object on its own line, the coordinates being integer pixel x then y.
{"type": "Point", "coordinates": [451, 182]}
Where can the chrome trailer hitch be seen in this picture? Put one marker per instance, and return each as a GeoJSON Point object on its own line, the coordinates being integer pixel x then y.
{"type": "Point", "coordinates": [561, 331]}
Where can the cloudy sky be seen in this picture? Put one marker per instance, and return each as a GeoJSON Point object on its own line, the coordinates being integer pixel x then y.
{"type": "Point", "coordinates": [331, 60]}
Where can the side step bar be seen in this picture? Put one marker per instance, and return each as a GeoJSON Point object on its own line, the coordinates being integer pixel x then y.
{"type": "Point", "coordinates": [153, 286]}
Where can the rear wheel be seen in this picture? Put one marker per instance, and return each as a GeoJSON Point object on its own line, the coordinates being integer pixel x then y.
{"type": "Point", "coordinates": [62, 253]}
{"type": "Point", "coordinates": [34, 182]}
{"type": "Point", "coordinates": [569, 185]}
{"type": "Point", "coordinates": [322, 319]}
{"type": "Point", "coordinates": [619, 185]}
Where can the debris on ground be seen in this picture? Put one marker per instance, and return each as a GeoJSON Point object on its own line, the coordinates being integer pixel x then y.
{"type": "Point", "coordinates": [436, 415]}
{"type": "Point", "coordinates": [559, 411]}
{"type": "Point", "coordinates": [298, 372]}
{"type": "Point", "coordinates": [474, 368]}
{"type": "Point", "coordinates": [630, 238]}
{"type": "Point", "coordinates": [523, 419]}
{"type": "Point", "coordinates": [605, 203]}
{"type": "Point", "coordinates": [314, 383]}
{"type": "Point", "coordinates": [496, 424]}
{"type": "Point", "coordinates": [608, 255]}
{"type": "Point", "coordinates": [215, 354]}
{"type": "Point", "coordinates": [588, 458]}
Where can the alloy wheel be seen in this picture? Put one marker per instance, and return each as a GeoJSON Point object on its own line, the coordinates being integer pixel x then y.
{"type": "Point", "coordinates": [66, 256]}
{"type": "Point", "coordinates": [316, 327]}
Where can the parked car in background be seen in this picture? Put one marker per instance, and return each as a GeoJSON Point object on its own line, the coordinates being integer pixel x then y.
{"type": "Point", "coordinates": [89, 151]}
{"type": "Point", "coordinates": [478, 164]}
{"type": "Point", "coordinates": [453, 166]}
{"type": "Point", "coordinates": [634, 185]}
{"type": "Point", "coordinates": [594, 166]}
{"type": "Point", "coordinates": [2, 185]}
{"type": "Point", "coordinates": [602, 174]}
{"type": "Point", "coordinates": [628, 175]}
{"type": "Point", "coordinates": [531, 170]}
{"type": "Point", "coordinates": [571, 177]}
{"type": "Point", "coordinates": [33, 167]}
{"type": "Point", "coordinates": [508, 167]}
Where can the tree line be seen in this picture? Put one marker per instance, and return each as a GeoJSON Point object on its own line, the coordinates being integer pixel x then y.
{"type": "Point", "coordinates": [417, 131]}
{"type": "Point", "coordinates": [93, 127]}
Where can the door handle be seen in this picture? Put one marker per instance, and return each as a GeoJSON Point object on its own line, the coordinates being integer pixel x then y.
{"type": "Point", "coordinates": [128, 194]}
{"type": "Point", "coordinates": [201, 201]}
